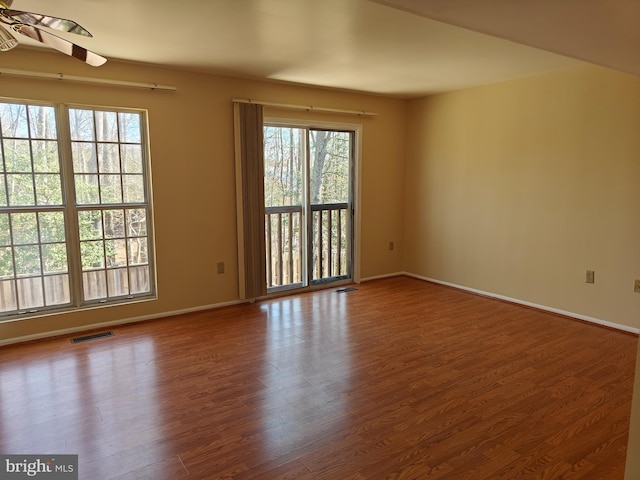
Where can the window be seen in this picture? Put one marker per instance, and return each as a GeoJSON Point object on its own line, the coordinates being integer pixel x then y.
{"type": "Point", "coordinates": [75, 208]}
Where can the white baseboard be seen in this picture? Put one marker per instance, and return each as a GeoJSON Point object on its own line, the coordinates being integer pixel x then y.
{"type": "Point", "coordinates": [578, 316]}
{"type": "Point", "coordinates": [83, 328]}
{"type": "Point", "coordinates": [123, 321]}
{"type": "Point", "coordinates": [386, 275]}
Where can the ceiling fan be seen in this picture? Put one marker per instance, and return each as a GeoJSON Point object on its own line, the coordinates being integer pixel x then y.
{"type": "Point", "coordinates": [27, 24]}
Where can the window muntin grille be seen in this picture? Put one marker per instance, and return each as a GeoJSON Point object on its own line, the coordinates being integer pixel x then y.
{"type": "Point", "coordinates": [75, 228]}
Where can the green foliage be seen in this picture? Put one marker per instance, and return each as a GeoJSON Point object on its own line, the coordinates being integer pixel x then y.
{"type": "Point", "coordinates": [6, 254]}
{"type": "Point", "coordinates": [20, 189]}
{"type": "Point", "coordinates": [87, 189]}
{"type": "Point", "coordinates": [45, 156]}
{"type": "Point", "coordinates": [5, 234]}
{"type": "Point", "coordinates": [51, 227]}
{"type": "Point", "coordinates": [92, 254]}
{"type": "Point", "coordinates": [54, 258]}
{"type": "Point", "coordinates": [25, 228]}
{"type": "Point", "coordinates": [38, 240]}
{"type": "Point", "coordinates": [48, 189]}
{"type": "Point", "coordinates": [110, 189]}
{"type": "Point", "coordinates": [3, 191]}
{"type": "Point", "coordinates": [27, 258]}
{"type": "Point", "coordinates": [17, 155]}
{"type": "Point", "coordinates": [91, 234]}
{"type": "Point", "coordinates": [103, 237]}
{"type": "Point", "coordinates": [6, 263]}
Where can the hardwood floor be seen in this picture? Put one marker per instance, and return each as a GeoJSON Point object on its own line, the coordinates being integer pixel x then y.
{"type": "Point", "coordinates": [401, 379]}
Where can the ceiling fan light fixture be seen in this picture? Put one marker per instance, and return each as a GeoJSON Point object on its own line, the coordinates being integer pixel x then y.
{"type": "Point", "coordinates": [29, 24]}
{"type": "Point", "coordinates": [7, 41]}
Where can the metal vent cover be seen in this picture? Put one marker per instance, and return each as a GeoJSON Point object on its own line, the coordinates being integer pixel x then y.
{"type": "Point", "coordinates": [345, 290]}
{"type": "Point", "coordinates": [93, 336]}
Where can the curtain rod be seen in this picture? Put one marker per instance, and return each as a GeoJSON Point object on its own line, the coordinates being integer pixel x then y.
{"type": "Point", "coordinates": [309, 108]}
{"type": "Point", "coordinates": [74, 78]}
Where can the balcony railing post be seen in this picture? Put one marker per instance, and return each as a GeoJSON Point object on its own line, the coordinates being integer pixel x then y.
{"type": "Point", "coordinates": [319, 245]}
{"type": "Point", "coordinates": [269, 255]}
{"type": "Point", "coordinates": [279, 244]}
{"type": "Point", "coordinates": [290, 243]}
{"type": "Point", "coordinates": [339, 249]}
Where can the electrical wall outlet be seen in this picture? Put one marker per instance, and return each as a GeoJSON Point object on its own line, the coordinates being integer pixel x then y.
{"type": "Point", "coordinates": [636, 286]}
{"type": "Point", "coordinates": [391, 246]}
{"type": "Point", "coordinates": [220, 267]}
{"type": "Point", "coordinates": [590, 276]}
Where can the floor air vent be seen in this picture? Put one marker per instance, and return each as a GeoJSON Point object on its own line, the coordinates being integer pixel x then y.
{"type": "Point", "coordinates": [91, 337]}
{"type": "Point", "coordinates": [345, 290]}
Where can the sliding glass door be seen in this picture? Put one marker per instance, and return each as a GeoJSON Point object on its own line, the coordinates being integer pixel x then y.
{"type": "Point", "coordinates": [308, 205]}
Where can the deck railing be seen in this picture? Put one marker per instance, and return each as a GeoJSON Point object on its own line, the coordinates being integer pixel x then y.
{"type": "Point", "coordinates": [330, 230]}
{"type": "Point", "coordinates": [284, 239]}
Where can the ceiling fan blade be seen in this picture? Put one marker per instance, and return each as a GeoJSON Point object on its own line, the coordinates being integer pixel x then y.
{"type": "Point", "coordinates": [60, 44]}
{"type": "Point", "coordinates": [37, 20]}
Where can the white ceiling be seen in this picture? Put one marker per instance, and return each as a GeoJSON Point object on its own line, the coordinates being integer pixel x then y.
{"type": "Point", "coordinates": [360, 44]}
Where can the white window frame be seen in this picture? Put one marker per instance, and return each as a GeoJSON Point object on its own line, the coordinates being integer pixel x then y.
{"type": "Point", "coordinates": [71, 211]}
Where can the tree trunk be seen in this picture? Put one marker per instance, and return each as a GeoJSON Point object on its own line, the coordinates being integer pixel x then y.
{"type": "Point", "coordinates": [321, 140]}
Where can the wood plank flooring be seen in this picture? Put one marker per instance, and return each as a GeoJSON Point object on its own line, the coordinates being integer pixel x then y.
{"type": "Point", "coordinates": [401, 379]}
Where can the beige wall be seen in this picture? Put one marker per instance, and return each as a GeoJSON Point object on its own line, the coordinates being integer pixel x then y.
{"type": "Point", "coordinates": [192, 157]}
{"type": "Point", "coordinates": [517, 188]}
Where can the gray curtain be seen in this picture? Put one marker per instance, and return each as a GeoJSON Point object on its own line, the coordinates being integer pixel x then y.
{"type": "Point", "coordinates": [250, 143]}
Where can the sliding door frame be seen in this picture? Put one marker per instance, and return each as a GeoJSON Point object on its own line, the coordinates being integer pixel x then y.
{"type": "Point", "coordinates": [356, 193]}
